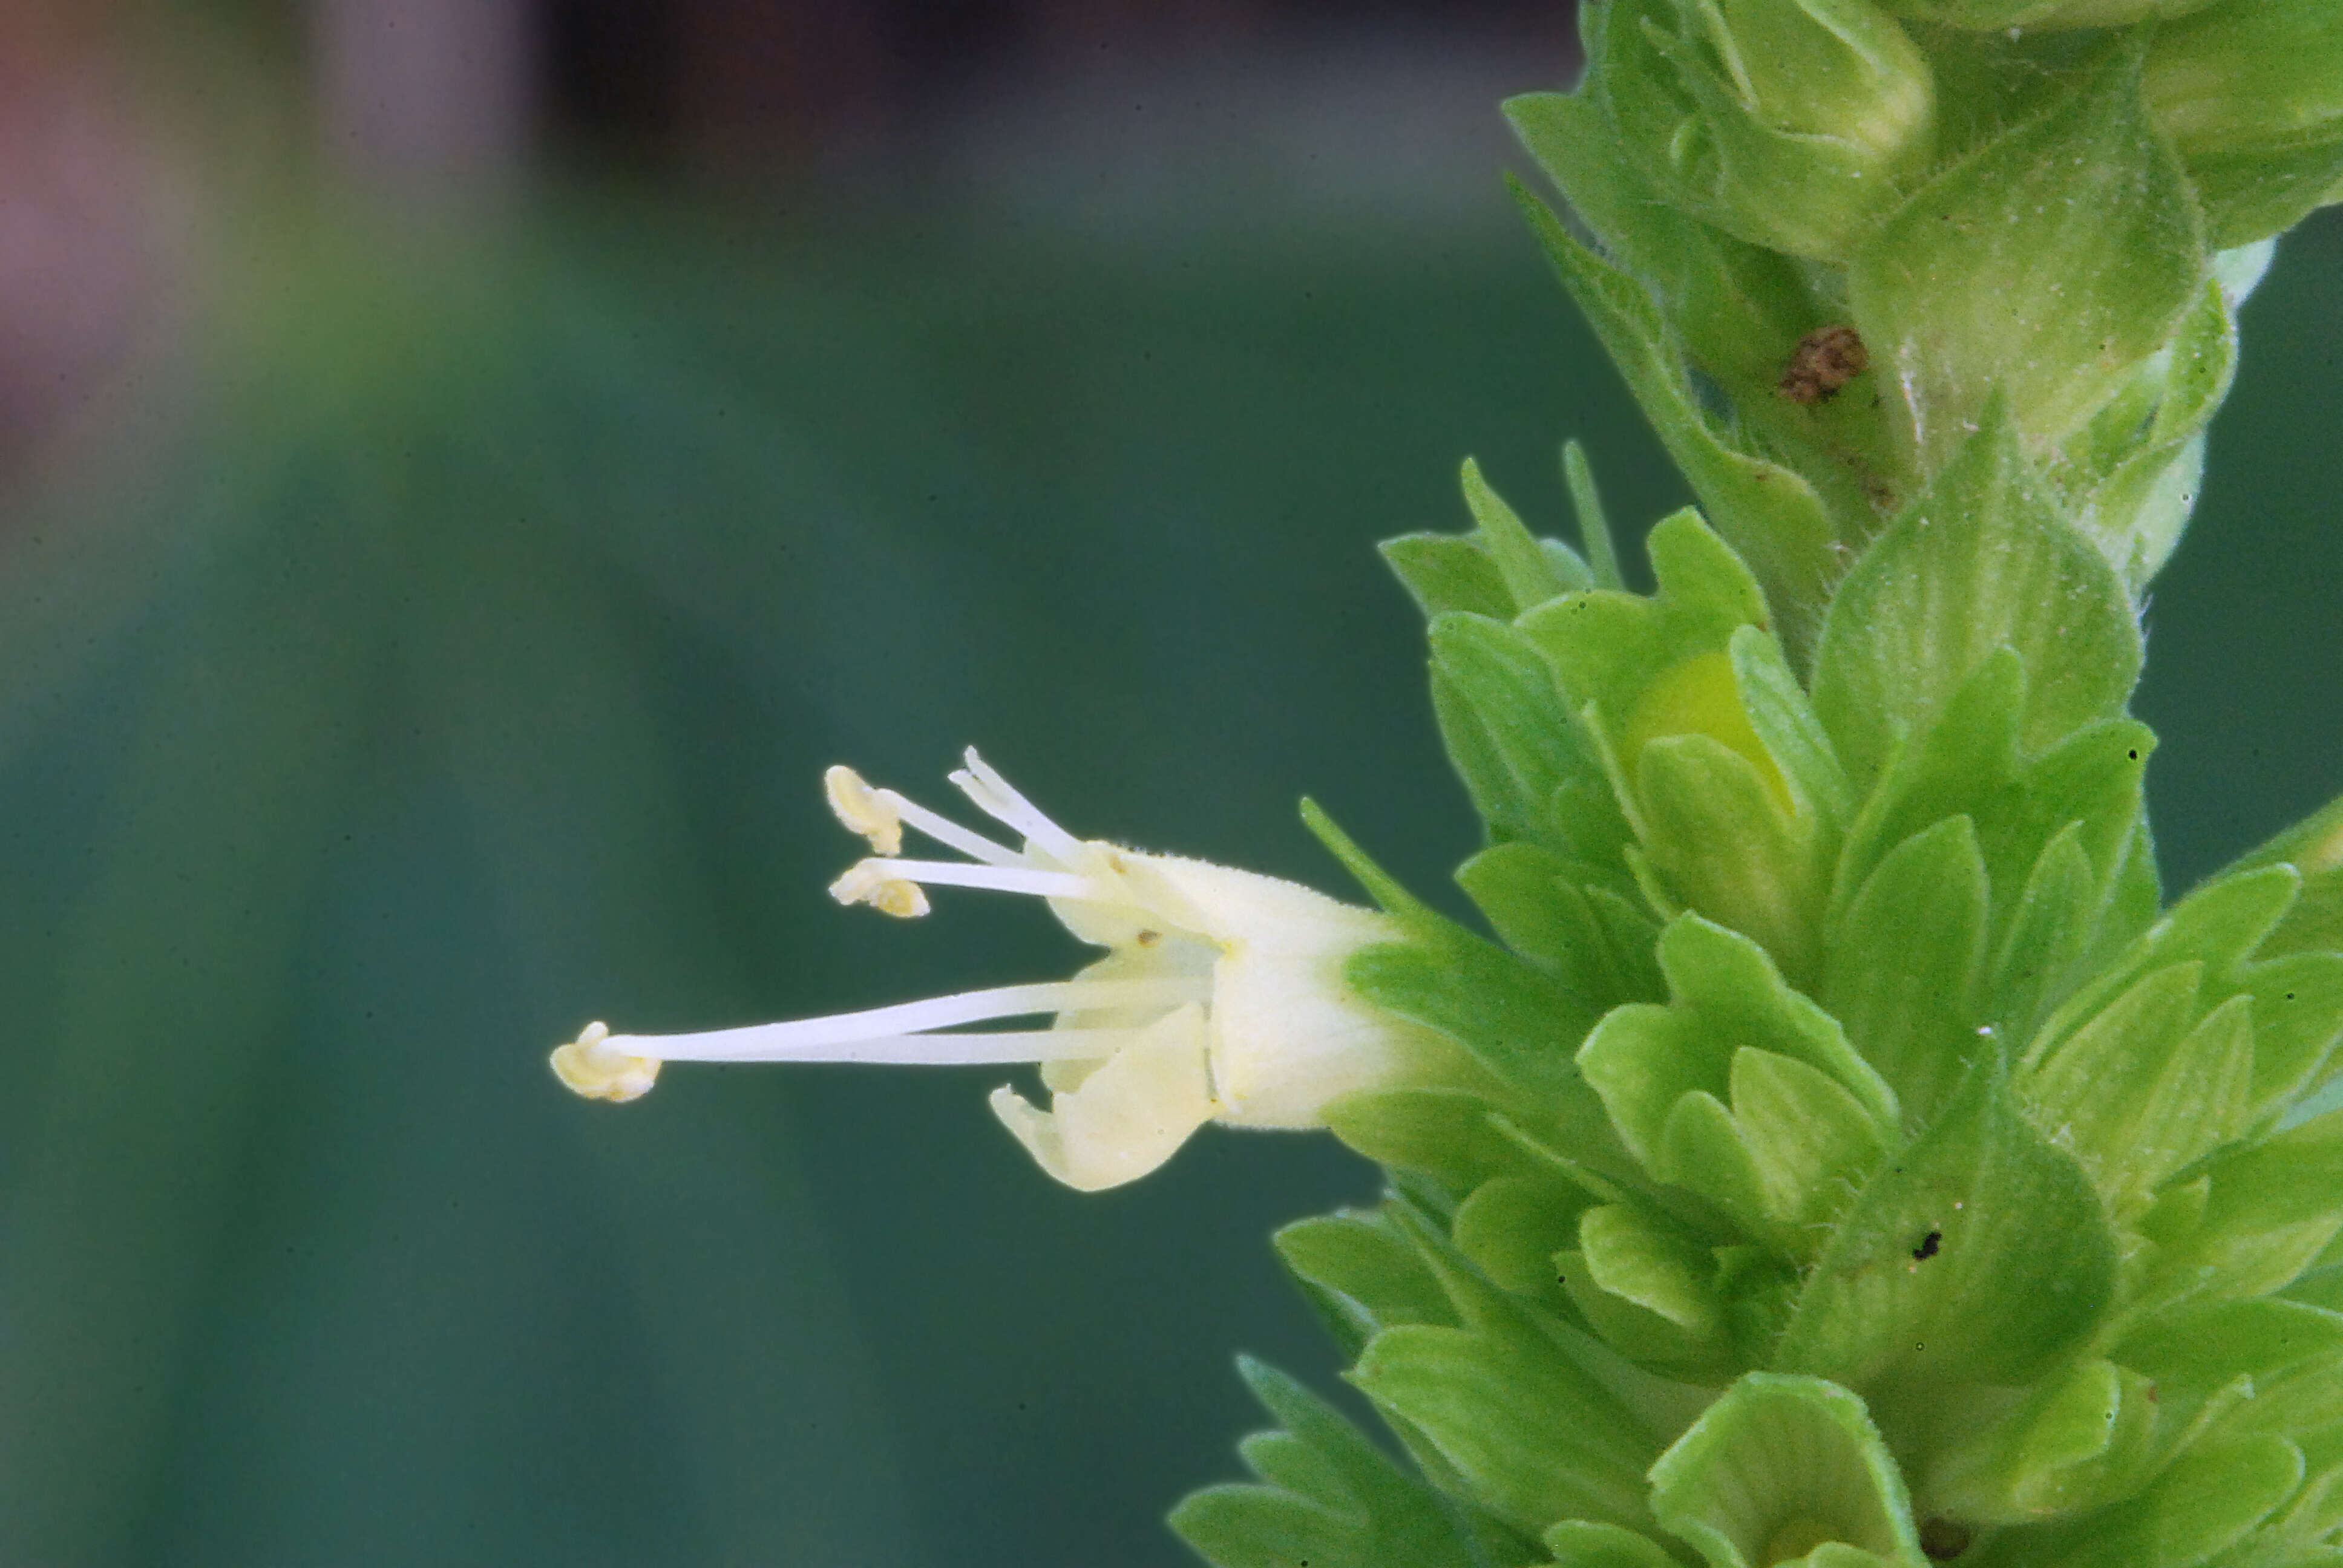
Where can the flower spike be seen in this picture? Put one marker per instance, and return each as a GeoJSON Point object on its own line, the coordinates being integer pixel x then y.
{"type": "Point", "coordinates": [1220, 997]}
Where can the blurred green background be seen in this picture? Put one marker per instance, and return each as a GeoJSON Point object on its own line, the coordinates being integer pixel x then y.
{"type": "Point", "coordinates": [431, 584]}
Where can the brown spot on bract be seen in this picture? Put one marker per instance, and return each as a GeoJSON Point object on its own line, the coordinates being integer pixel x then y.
{"type": "Point", "coordinates": [1149, 939]}
{"type": "Point", "coordinates": [1826, 359]}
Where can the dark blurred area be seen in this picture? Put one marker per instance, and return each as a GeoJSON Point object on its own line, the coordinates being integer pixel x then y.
{"type": "Point", "coordinates": [466, 467]}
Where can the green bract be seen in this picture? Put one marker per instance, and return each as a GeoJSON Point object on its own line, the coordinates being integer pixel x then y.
{"type": "Point", "coordinates": [2045, 267]}
{"type": "Point", "coordinates": [2251, 93]}
{"type": "Point", "coordinates": [1996, 16]}
{"type": "Point", "coordinates": [1788, 122]}
{"type": "Point", "coordinates": [1864, 1165]}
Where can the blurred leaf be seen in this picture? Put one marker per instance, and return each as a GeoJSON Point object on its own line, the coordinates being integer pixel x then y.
{"type": "Point", "coordinates": [172, 1022]}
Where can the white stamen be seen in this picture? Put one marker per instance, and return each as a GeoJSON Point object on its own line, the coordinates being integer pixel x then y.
{"type": "Point", "coordinates": [863, 809]}
{"type": "Point", "coordinates": [780, 1040]}
{"type": "Point", "coordinates": [944, 830]}
{"type": "Point", "coordinates": [996, 799]}
{"type": "Point", "coordinates": [899, 1033]}
{"type": "Point", "coordinates": [998, 1047]}
{"type": "Point", "coordinates": [997, 878]}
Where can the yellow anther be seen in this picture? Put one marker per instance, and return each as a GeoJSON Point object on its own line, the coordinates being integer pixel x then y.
{"type": "Point", "coordinates": [867, 882]}
{"type": "Point", "coordinates": [864, 811]}
{"type": "Point", "coordinates": [589, 1067]}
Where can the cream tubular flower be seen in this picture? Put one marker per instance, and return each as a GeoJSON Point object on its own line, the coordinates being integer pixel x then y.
{"type": "Point", "coordinates": [1220, 997]}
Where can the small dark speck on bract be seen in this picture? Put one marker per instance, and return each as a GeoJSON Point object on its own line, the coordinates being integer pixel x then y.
{"type": "Point", "coordinates": [1942, 1539]}
{"type": "Point", "coordinates": [1927, 1247]}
